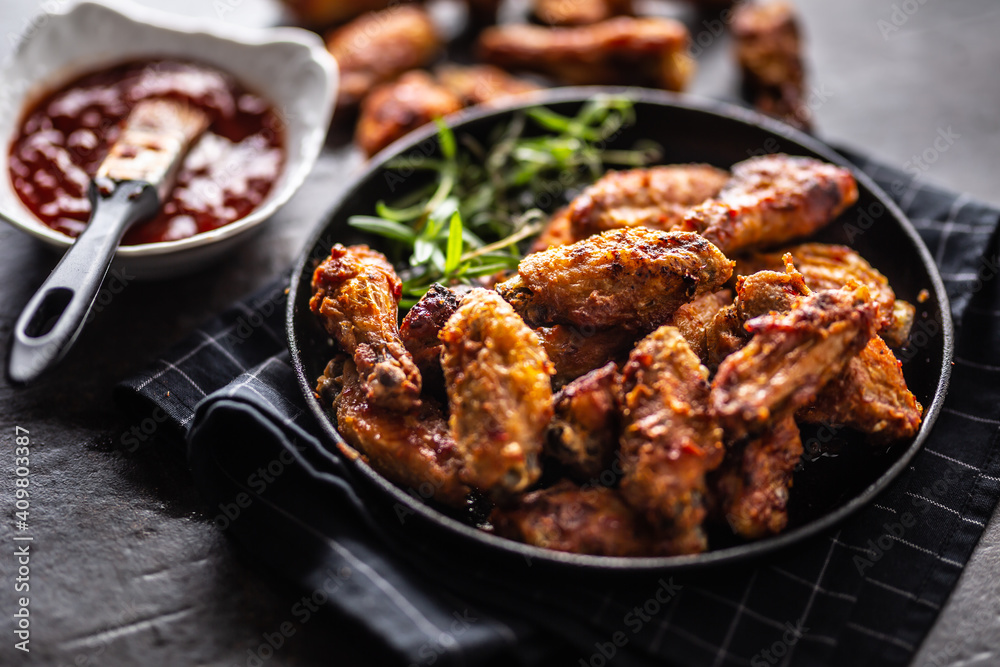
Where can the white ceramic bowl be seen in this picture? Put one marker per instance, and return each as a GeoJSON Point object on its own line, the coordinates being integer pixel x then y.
{"type": "Point", "coordinates": [288, 66]}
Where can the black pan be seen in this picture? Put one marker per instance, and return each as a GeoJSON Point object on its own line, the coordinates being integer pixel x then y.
{"type": "Point", "coordinates": [839, 474]}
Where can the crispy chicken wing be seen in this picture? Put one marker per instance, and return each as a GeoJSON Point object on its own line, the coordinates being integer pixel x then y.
{"type": "Point", "coordinates": [393, 110]}
{"type": "Point", "coordinates": [791, 357]}
{"type": "Point", "coordinates": [751, 487]}
{"type": "Point", "coordinates": [419, 330]}
{"type": "Point", "coordinates": [656, 197]}
{"type": "Point", "coordinates": [576, 351]}
{"type": "Point", "coordinates": [626, 51]}
{"type": "Point", "coordinates": [481, 84]}
{"type": "Point", "coordinates": [414, 448]}
{"type": "Point", "coordinates": [669, 440]}
{"type": "Point", "coordinates": [583, 434]}
{"type": "Point", "coordinates": [377, 47]}
{"type": "Point", "coordinates": [769, 51]}
{"type": "Point", "coordinates": [499, 392]}
{"type": "Point", "coordinates": [871, 396]}
{"type": "Point", "coordinates": [631, 278]}
{"type": "Point", "coordinates": [695, 318]}
{"type": "Point", "coordinates": [826, 266]}
{"type": "Point", "coordinates": [566, 517]}
{"type": "Point", "coordinates": [579, 12]}
{"type": "Point", "coordinates": [773, 199]}
{"type": "Point", "coordinates": [356, 295]}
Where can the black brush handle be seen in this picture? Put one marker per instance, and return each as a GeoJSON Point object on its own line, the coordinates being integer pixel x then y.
{"type": "Point", "coordinates": [53, 318]}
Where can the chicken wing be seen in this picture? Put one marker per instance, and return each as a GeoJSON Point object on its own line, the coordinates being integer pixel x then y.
{"type": "Point", "coordinates": [481, 84]}
{"type": "Point", "coordinates": [575, 352]}
{"type": "Point", "coordinates": [669, 439]}
{"type": "Point", "coordinates": [773, 199]}
{"type": "Point", "coordinates": [414, 448]}
{"type": "Point", "coordinates": [695, 318]}
{"type": "Point", "coordinates": [791, 357]}
{"type": "Point", "coordinates": [649, 52]}
{"type": "Point", "coordinates": [826, 266]}
{"type": "Point", "coordinates": [497, 378]}
{"type": "Point", "coordinates": [633, 279]}
{"type": "Point", "coordinates": [656, 197]}
{"type": "Point", "coordinates": [356, 295]}
{"type": "Point", "coordinates": [751, 487]}
{"type": "Point", "coordinates": [377, 47]}
{"type": "Point", "coordinates": [395, 109]}
{"type": "Point", "coordinates": [579, 12]}
{"type": "Point", "coordinates": [871, 396]}
{"type": "Point", "coordinates": [583, 435]}
{"type": "Point", "coordinates": [566, 517]}
{"type": "Point", "coordinates": [769, 51]}
{"type": "Point", "coordinates": [419, 331]}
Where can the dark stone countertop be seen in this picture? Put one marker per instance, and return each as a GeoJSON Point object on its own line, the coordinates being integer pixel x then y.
{"type": "Point", "coordinates": [127, 565]}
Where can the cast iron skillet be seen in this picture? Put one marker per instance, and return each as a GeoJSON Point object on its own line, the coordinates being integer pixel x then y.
{"type": "Point", "coordinates": [839, 475]}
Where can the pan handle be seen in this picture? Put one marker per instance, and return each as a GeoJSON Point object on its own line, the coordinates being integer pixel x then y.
{"type": "Point", "coordinates": [54, 317]}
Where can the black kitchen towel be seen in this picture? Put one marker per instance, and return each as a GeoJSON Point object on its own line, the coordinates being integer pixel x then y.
{"type": "Point", "coordinates": [867, 592]}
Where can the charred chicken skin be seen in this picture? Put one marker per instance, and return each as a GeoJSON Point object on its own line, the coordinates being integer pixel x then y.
{"type": "Point", "coordinates": [395, 109]}
{"type": "Point", "coordinates": [377, 47]}
{"type": "Point", "coordinates": [356, 296]}
{"type": "Point", "coordinates": [669, 439]}
{"type": "Point", "coordinates": [772, 199]}
{"type": "Point", "coordinates": [413, 448]}
{"type": "Point", "coordinates": [826, 266]}
{"type": "Point", "coordinates": [578, 520]}
{"type": "Point", "coordinates": [419, 330]}
{"type": "Point", "coordinates": [499, 391]}
{"type": "Point", "coordinates": [649, 52]}
{"type": "Point", "coordinates": [656, 197]}
{"type": "Point", "coordinates": [751, 487]}
{"type": "Point", "coordinates": [633, 279]}
{"type": "Point", "coordinates": [791, 357]}
{"type": "Point", "coordinates": [583, 435]}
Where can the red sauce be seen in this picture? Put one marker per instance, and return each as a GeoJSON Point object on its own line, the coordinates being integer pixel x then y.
{"type": "Point", "coordinates": [225, 175]}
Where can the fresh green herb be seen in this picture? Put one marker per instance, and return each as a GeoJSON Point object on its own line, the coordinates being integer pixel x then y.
{"type": "Point", "coordinates": [484, 202]}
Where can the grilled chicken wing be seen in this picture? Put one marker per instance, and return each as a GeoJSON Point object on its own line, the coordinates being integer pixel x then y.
{"type": "Point", "coordinates": [583, 434]}
{"type": "Point", "coordinates": [769, 51]}
{"type": "Point", "coordinates": [579, 12]}
{"type": "Point", "coordinates": [826, 266]}
{"type": "Point", "coordinates": [412, 448]}
{"type": "Point", "coordinates": [566, 517]}
{"type": "Point", "coordinates": [871, 396]}
{"type": "Point", "coordinates": [791, 357]}
{"type": "Point", "coordinates": [751, 487]}
{"type": "Point", "coordinates": [656, 197]}
{"type": "Point", "coordinates": [393, 110]}
{"type": "Point", "coordinates": [772, 199]}
{"type": "Point", "coordinates": [625, 51]}
{"type": "Point", "coordinates": [377, 47]}
{"type": "Point", "coordinates": [419, 331]}
{"type": "Point", "coordinates": [499, 392]}
{"type": "Point", "coordinates": [481, 84]}
{"type": "Point", "coordinates": [356, 295]}
{"type": "Point", "coordinates": [631, 278]}
{"type": "Point", "coordinates": [695, 318]}
{"type": "Point", "coordinates": [574, 351]}
{"type": "Point", "coordinates": [669, 440]}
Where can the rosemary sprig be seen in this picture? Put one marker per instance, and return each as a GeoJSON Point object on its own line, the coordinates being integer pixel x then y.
{"type": "Point", "coordinates": [485, 202]}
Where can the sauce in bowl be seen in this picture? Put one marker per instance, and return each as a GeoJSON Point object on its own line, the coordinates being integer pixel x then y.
{"type": "Point", "coordinates": [226, 174]}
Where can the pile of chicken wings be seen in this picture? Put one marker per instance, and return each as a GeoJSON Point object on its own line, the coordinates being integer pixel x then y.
{"type": "Point", "coordinates": [642, 374]}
